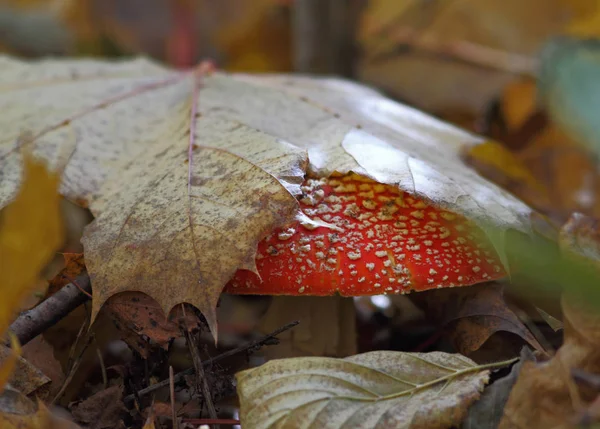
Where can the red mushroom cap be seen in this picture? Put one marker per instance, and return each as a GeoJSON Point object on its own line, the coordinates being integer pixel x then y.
{"type": "Point", "coordinates": [387, 241]}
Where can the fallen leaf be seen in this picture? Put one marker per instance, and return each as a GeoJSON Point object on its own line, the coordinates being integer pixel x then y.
{"type": "Point", "coordinates": [497, 163]}
{"type": "Point", "coordinates": [30, 233]}
{"type": "Point", "coordinates": [489, 409]}
{"type": "Point", "coordinates": [41, 355]}
{"type": "Point", "coordinates": [552, 321]}
{"type": "Point", "coordinates": [104, 409]}
{"type": "Point", "coordinates": [586, 20]}
{"type": "Point", "coordinates": [26, 378]}
{"type": "Point", "coordinates": [141, 320]}
{"type": "Point", "coordinates": [149, 422]}
{"type": "Point", "coordinates": [74, 266]}
{"type": "Point", "coordinates": [473, 315]}
{"type": "Point", "coordinates": [14, 402]}
{"type": "Point", "coordinates": [378, 389]}
{"type": "Point", "coordinates": [194, 211]}
{"type": "Point", "coordinates": [42, 419]}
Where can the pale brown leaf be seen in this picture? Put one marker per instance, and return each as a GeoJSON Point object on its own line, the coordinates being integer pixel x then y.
{"type": "Point", "coordinates": [379, 389]}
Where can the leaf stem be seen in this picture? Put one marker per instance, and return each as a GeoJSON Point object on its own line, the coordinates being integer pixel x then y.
{"type": "Point", "coordinates": [448, 377]}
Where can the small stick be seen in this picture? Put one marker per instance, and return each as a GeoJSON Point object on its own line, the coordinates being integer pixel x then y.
{"type": "Point", "coordinates": [201, 382]}
{"type": "Point", "coordinates": [33, 322]}
{"type": "Point", "coordinates": [172, 391]}
{"type": "Point", "coordinates": [461, 50]}
{"type": "Point", "coordinates": [249, 346]}
{"type": "Point", "coordinates": [102, 367]}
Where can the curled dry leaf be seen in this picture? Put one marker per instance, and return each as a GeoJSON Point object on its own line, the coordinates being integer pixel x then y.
{"type": "Point", "coordinates": [474, 314]}
{"type": "Point", "coordinates": [380, 389]}
{"type": "Point", "coordinates": [140, 319]}
{"type": "Point", "coordinates": [185, 175]}
{"type": "Point", "coordinates": [26, 378]}
{"type": "Point", "coordinates": [74, 266]}
{"type": "Point", "coordinates": [104, 409]}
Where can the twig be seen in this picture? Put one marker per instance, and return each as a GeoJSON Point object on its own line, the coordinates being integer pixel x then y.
{"type": "Point", "coordinates": [74, 281]}
{"type": "Point", "coordinates": [172, 392]}
{"type": "Point", "coordinates": [201, 382]}
{"type": "Point", "coordinates": [250, 346]}
{"type": "Point", "coordinates": [461, 50]}
{"type": "Point", "coordinates": [33, 322]}
{"type": "Point", "coordinates": [102, 367]}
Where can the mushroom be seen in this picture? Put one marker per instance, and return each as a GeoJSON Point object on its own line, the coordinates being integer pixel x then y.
{"type": "Point", "coordinates": [386, 242]}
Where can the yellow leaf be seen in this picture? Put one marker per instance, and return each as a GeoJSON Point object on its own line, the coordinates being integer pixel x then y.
{"type": "Point", "coordinates": [9, 364]}
{"type": "Point", "coordinates": [499, 157]}
{"type": "Point", "coordinates": [43, 419]}
{"type": "Point", "coordinates": [586, 19]}
{"type": "Point", "coordinates": [149, 422]}
{"type": "Point", "coordinates": [30, 232]}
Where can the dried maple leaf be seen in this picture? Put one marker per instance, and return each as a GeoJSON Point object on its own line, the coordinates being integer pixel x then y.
{"type": "Point", "coordinates": [186, 174]}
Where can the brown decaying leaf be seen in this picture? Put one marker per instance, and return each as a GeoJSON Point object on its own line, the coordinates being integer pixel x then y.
{"type": "Point", "coordinates": [474, 314]}
{"type": "Point", "coordinates": [380, 389]}
{"type": "Point", "coordinates": [103, 409]}
{"type": "Point", "coordinates": [74, 266]}
{"type": "Point", "coordinates": [185, 175]}
{"type": "Point", "coordinates": [41, 354]}
{"type": "Point", "coordinates": [137, 315]}
{"type": "Point", "coordinates": [26, 378]}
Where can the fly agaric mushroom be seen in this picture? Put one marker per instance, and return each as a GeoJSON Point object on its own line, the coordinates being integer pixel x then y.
{"type": "Point", "coordinates": [386, 242]}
